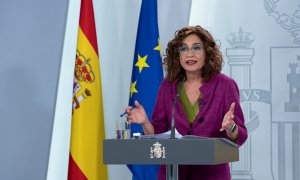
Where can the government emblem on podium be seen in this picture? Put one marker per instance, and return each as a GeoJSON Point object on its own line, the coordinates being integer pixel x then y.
{"type": "Point", "coordinates": [156, 151]}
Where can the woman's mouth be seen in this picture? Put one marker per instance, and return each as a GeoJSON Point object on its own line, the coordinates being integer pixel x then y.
{"type": "Point", "coordinates": [191, 62]}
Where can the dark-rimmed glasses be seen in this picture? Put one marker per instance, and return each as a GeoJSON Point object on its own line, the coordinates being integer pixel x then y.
{"type": "Point", "coordinates": [196, 48]}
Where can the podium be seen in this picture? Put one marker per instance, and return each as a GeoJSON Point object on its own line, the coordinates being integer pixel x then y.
{"type": "Point", "coordinates": [171, 152]}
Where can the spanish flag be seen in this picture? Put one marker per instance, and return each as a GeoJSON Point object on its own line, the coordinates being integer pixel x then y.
{"type": "Point", "coordinates": [87, 132]}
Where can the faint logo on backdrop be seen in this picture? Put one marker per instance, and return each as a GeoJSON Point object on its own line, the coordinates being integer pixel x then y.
{"type": "Point", "coordinates": [285, 129]}
{"type": "Point", "coordinates": [241, 39]}
{"type": "Point", "coordinates": [240, 57]}
{"type": "Point", "coordinates": [285, 88]}
{"type": "Point", "coordinates": [293, 78]}
{"type": "Point", "coordinates": [283, 98]}
{"type": "Point", "coordinates": [289, 18]}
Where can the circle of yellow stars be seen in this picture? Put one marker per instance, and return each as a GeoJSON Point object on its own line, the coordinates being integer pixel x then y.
{"type": "Point", "coordinates": [141, 63]}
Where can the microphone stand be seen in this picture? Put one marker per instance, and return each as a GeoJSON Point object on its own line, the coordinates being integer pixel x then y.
{"type": "Point", "coordinates": [173, 119]}
{"type": "Point", "coordinates": [173, 111]}
{"type": "Point", "coordinates": [172, 169]}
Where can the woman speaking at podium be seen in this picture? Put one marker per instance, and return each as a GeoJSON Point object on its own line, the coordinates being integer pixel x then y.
{"type": "Point", "coordinates": [203, 101]}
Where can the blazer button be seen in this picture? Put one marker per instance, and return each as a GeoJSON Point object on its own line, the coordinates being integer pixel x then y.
{"type": "Point", "coordinates": [201, 120]}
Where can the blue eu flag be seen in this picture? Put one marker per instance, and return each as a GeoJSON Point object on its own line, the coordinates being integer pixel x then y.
{"type": "Point", "coordinates": [146, 76]}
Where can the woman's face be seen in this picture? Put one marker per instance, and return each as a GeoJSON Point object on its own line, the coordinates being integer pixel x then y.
{"type": "Point", "coordinates": [192, 54]}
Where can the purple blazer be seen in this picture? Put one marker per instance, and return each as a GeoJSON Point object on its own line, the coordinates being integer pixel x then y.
{"type": "Point", "coordinates": [218, 94]}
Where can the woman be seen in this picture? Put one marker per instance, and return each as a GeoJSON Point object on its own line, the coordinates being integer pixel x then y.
{"type": "Point", "coordinates": [208, 101]}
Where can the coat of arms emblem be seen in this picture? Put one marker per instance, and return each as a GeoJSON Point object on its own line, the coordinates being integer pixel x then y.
{"type": "Point", "coordinates": [156, 151]}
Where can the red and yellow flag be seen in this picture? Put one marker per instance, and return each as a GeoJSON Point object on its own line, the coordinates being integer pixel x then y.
{"type": "Point", "coordinates": [87, 132]}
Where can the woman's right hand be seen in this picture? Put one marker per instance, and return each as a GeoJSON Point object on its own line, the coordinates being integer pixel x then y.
{"type": "Point", "coordinates": [136, 115]}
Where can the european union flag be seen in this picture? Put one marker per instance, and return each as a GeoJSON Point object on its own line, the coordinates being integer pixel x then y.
{"type": "Point", "coordinates": [146, 76]}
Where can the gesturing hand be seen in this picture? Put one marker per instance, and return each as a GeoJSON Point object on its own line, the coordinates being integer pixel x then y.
{"type": "Point", "coordinates": [228, 119]}
{"type": "Point", "coordinates": [136, 115]}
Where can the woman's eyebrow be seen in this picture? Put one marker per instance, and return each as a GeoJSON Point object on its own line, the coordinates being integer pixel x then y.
{"type": "Point", "coordinates": [192, 44]}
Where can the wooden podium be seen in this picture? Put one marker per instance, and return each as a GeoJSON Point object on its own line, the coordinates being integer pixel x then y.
{"type": "Point", "coordinates": [188, 150]}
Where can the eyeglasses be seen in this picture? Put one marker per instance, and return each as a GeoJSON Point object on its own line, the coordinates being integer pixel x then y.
{"type": "Point", "coordinates": [196, 48]}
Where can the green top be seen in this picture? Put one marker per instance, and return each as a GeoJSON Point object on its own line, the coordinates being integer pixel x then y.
{"type": "Point", "coordinates": [191, 111]}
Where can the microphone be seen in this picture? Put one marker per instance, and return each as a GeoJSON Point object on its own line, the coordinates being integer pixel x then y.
{"type": "Point", "coordinates": [173, 120]}
{"type": "Point", "coordinates": [173, 111]}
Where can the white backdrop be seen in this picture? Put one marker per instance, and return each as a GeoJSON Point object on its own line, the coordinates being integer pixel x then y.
{"type": "Point", "coordinates": [265, 36]}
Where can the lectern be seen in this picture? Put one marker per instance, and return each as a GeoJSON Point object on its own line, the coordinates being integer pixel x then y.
{"type": "Point", "coordinates": [171, 152]}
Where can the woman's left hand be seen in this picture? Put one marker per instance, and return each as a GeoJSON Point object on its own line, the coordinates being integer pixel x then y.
{"type": "Point", "coordinates": [228, 119]}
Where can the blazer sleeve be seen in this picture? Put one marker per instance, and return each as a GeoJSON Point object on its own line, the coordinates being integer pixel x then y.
{"type": "Point", "coordinates": [232, 95]}
{"type": "Point", "coordinates": [159, 115]}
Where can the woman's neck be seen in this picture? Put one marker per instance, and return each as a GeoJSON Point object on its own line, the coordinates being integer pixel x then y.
{"type": "Point", "coordinates": [193, 77]}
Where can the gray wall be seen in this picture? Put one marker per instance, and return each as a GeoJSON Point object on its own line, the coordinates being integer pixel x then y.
{"type": "Point", "coordinates": [31, 39]}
